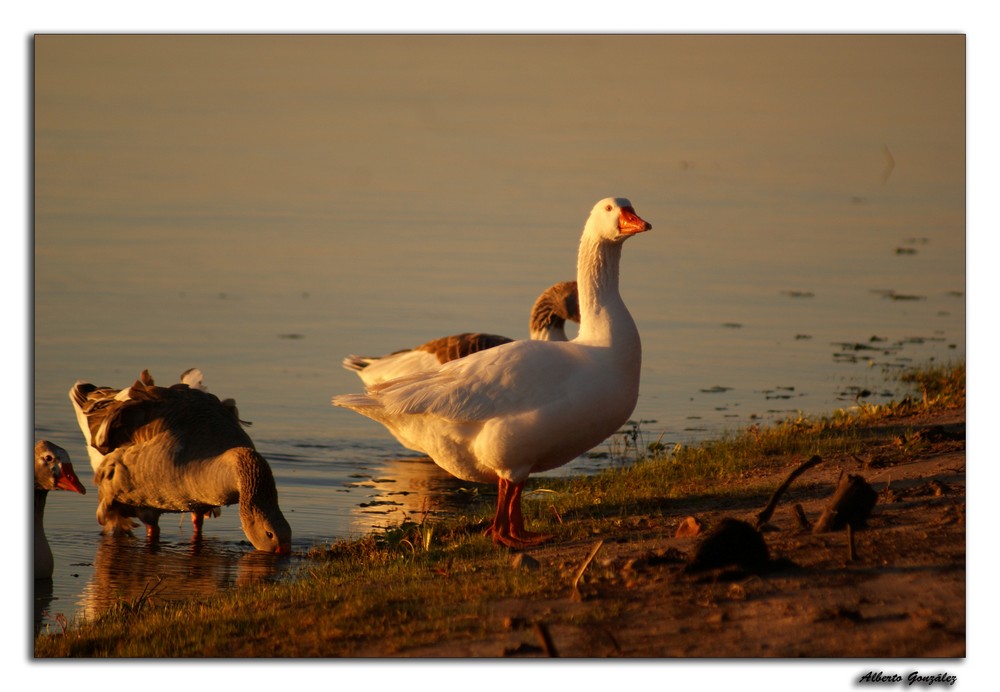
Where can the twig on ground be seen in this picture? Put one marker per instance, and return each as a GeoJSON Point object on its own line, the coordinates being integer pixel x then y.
{"type": "Point", "coordinates": [766, 513]}
{"type": "Point", "coordinates": [542, 630]}
{"type": "Point", "coordinates": [803, 520]}
{"type": "Point", "coordinates": [575, 593]}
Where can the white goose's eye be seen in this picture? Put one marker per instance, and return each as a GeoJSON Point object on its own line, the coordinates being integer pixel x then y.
{"type": "Point", "coordinates": [607, 208]}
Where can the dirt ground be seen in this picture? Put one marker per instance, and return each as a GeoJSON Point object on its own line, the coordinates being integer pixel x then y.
{"type": "Point", "coordinates": [901, 594]}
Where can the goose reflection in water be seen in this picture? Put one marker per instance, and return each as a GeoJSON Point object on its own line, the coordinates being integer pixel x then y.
{"type": "Point", "coordinates": [43, 596]}
{"type": "Point", "coordinates": [412, 488]}
{"type": "Point", "coordinates": [127, 569]}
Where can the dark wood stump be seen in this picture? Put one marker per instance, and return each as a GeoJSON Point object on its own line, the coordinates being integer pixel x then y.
{"type": "Point", "coordinates": [851, 504]}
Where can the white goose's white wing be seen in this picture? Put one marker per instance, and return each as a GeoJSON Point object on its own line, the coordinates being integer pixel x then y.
{"type": "Point", "coordinates": [427, 356]}
{"type": "Point", "coordinates": [517, 377]}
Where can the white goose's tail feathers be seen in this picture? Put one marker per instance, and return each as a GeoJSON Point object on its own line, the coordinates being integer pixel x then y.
{"type": "Point", "coordinates": [357, 363]}
{"type": "Point", "coordinates": [194, 379]}
{"type": "Point", "coordinates": [355, 401]}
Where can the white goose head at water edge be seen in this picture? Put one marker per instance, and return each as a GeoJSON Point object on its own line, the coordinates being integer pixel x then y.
{"type": "Point", "coordinates": [614, 219]}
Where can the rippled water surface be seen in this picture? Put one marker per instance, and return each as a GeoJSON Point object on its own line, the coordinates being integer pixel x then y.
{"type": "Point", "coordinates": [260, 207]}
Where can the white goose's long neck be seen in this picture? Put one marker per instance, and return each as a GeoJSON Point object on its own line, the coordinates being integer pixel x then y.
{"type": "Point", "coordinates": [604, 319]}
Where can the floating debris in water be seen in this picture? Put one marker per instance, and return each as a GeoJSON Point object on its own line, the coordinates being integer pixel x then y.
{"type": "Point", "coordinates": [716, 390]}
{"type": "Point", "coordinates": [854, 346]}
{"type": "Point", "coordinates": [853, 393]}
{"type": "Point", "coordinates": [799, 294]}
{"type": "Point", "coordinates": [732, 325]}
{"type": "Point", "coordinates": [906, 251]}
{"type": "Point", "coordinates": [892, 295]}
{"type": "Point", "coordinates": [380, 503]}
{"type": "Point", "coordinates": [291, 336]}
{"type": "Point", "coordinates": [803, 337]}
{"type": "Point", "coordinates": [779, 393]}
{"type": "Point", "coordinates": [922, 339]}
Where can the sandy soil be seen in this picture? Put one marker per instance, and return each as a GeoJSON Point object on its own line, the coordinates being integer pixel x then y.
{"type": "Point", "coordinates": [902, 594]}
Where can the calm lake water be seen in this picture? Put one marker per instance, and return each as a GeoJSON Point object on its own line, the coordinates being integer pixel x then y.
{"type": "Point", "coordinates": [260, 207]}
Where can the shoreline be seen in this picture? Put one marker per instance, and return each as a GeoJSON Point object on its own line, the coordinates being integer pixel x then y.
{"type": "Point", "coordinates": [444, 592]}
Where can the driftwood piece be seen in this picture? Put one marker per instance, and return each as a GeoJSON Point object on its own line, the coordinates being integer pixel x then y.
{"type": "Point", "coordinates": [574, 593]}
{"type": "Point", "coordinates": [801, 514]}
{"type": "Point", "coordinates": [545, 637]}
{"type": "Point", "coordinates": [734, 542]}
{"type": "Point", "coordinates": [691, 526]}
{"type": "Point", "coordinates": [765, 514]}
{"type": "Point", "coordinates": [851, 504]}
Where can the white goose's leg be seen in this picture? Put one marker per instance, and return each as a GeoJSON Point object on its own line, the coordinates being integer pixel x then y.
{"type": "Point", "coordinates": [508, 524]}
{"type": "Point", "coordinates": [500, 526]}
{"type": "Point", "coordinates": [516, 519]}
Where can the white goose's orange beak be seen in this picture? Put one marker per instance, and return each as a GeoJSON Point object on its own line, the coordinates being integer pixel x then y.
{"type": "Point", "coordinates": [629, 222]}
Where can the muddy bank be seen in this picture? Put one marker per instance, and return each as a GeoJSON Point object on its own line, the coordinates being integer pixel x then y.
{"type": "Point", "coordinates": [899, 591]}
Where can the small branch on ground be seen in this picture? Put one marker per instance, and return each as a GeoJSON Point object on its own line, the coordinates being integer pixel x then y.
{"type": "Point", "coordinates": [765, 514]}
{"type": "Point", "coordinates": [575, 593]}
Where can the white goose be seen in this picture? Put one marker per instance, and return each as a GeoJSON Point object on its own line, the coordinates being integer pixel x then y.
{"type": "Point", "coordinates": [553, 307]}
{"type": "Point", "coordinates": [176, 449]}
{"type": "Point", "coordinates": [527, 406]}
{"type": "Point", "coordinates": [53, 471]}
